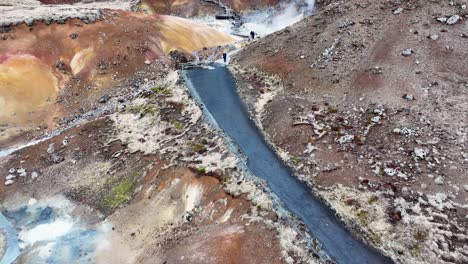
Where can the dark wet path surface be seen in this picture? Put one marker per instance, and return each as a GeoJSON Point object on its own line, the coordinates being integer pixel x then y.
{"type": "Point", "coordinates": [217, 90]}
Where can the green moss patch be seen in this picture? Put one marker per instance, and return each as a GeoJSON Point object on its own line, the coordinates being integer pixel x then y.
{"type": "Point", "coordinates": [121, 192]}
{"type": "Point", "coordinates": [161, 89]}
{"type": "Point", "coordinates": [177, 125]}
{"type": "Point", "coordinates": [197, 147]}
{"type": "Point", "coordinates": [143, 109]}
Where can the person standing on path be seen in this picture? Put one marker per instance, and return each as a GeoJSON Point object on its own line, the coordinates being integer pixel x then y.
{"type": "Point", "coordinates": [224, 57]}
{"type": "Point", "coordinates": [252, 35]}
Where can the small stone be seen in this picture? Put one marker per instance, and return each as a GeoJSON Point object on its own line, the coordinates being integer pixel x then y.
{"type": "Point", "coordinates": [346, 139]}
{"type": "Point", "coordinates": [51, 148]}
{"type": "Point", "coordinates": [29, 22]}
{"type": "Point", "coordinates": [147, 62]}
{"type": "Point", "coordinates": [405, 190]}
{"type": "Point", "coordinates": [10, 177]}
{"type": "Point", "coordinates": [104, 99]}
{"type": "Point", "coordinates": [57, 158]}
{"type": "Point", "coordinates": [398, 11]}
{"type": "Point", "coordinates": [408, 97]}
{"type": "Point", "coordinates": [397, 131]}
{"type": "Point", "coordinates": [463, 7]}
{"type": "Point", "coordinates": [453, 20]}
{"type": "Point", "coordinates": [12, 170]}
{"type": "Point", "coordinates": [465, 187]}
{"type": "Point", "coordinates": [434, 37]}
{"type": "Point", "coordinates": [34, 174]}
{"type": "Point", "coordinates": [9, 182]}
{"type": "Point", "coordinates": [406, 132]}
{"type": "Point", "coordinates": [420, 153]}
{"type": "Point", "coordinates": [423, 186]}
{"type": "Point", "coordinates": [22, 172]}
{"type": "Point", "coordinates": [439, 180]}
{"type": "Point", "coordinates": [74, 35]}
{"type": "Point", "coordinates": [378, 111]}
{"type": "Point", "coordinates": [376, 119]}
{"type": "Point", "coordinates": [390, 171]}
{"type": "Point", "coordinates": [442, 19]}
{"type": "Point", "coordinates": [60, 64]}
{"type": "Point", "coordinates": [407, 52]}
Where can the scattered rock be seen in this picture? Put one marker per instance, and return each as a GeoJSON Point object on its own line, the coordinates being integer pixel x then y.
{"type": "Point", "coordinates": [60, 64]}
{"type": "Point", "coordinates": [34, 174]}
{"type": "Point", "coordinates": [376, 70]}
{"type": "Point", "coordinates": [465, 187]}
{"type": "Point", "coordinates": [74, 35]}
{"type": "Point", "coordinates": [442, 19]}
{"type": "Point", "coordinates": [406, 131]}
{"type": "Point", "coordinates": [57, 159]}
{"type": "Point", "coordinates": [104, 99]}
{"type": "Point", "coordinates": [407, 52]}
{"type": "Point", "coordinates": [10, 177]}
{"type": "Point", "coordinates": [420, 153]}
{"type": "Point", "coordinates": [434, 37]}
{"type": "Point", "coordinates": [376, 119]}
{"type": "Point", "coordinates": [453, 20]}
{"type": "Point", "coordinates": [390, 171]}
{"type": "Point", "coordinates": [408, 97]}
{"type": "Point", "coordinates": [346, 139]}
{"type": "Point", "coordinates": [9, 182]}
{"type": "Point", "coordinates": [51, 148]}
{"type": "Point", "coordinates": [398, 11]}
{"type": "Point", "coordinates": [439, 180]}
{"type": "Point", "coordinates": [22, 172]}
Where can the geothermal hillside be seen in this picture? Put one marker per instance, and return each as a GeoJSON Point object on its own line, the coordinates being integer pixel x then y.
{"type": "Point", "coordinates": [372, 111]}
{"type": "Point", "coordinates": [109, 152]}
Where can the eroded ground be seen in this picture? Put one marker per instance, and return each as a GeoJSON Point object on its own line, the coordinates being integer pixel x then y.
{"type": "Point", "coordinates": [367, 101]}
{"type": "Point", "coordinates": [52, 75]}
{"type": "Point", "coordinates": [149, 184]}
{"type": "Point", "coordinates": [120, 167]}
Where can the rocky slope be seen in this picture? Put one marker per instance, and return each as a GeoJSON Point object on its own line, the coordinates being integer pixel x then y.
{"type": "Point", "coordinates": [119, 166]}
{"type": "Point", "coordinates": [367, 102]}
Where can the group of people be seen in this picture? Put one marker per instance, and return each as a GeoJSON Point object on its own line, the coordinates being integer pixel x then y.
{"type": "Point", "coordinates": [252, 37]}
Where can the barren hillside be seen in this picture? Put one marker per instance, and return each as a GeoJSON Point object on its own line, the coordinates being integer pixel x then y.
{"type": "Point", "coordinates": [73, 64]}
{"type": "Point", "coordinates": [371, 108]}
{"type": "Point", "coordinates": [104, 155]}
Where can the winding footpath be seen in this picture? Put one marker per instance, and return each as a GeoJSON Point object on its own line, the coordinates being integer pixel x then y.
{"type": "Point", "coordinates": [216, 91]}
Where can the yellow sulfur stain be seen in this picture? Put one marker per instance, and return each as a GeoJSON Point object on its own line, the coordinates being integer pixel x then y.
{"type": "Point", "coordinates": [183, 35]}
{"type": "Point", "coordinates": [27, 88]}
